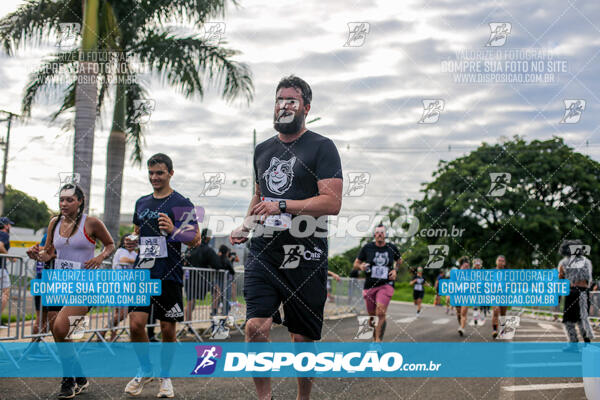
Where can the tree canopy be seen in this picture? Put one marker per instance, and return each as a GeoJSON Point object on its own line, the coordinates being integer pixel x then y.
{"type": "Point", "coordinates": [551, 193]}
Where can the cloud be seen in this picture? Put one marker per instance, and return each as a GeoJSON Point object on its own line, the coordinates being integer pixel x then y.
{"type": "Point", "coordinates": [369, 98]}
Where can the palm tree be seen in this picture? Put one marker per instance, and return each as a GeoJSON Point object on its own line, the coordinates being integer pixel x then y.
{"type": "Point", "coordinates": [36, 19]}
{"type": "Point", "coordinates": [134, 30]}
{"type": "Point", "coordinates": [86, 95]}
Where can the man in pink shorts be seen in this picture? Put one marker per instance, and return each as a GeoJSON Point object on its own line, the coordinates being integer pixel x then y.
{"type": "Point", "coordinates": [377, 260]}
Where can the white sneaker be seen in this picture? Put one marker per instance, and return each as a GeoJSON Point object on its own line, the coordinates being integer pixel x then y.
{"type": "Point", "coordinates": [136, 385]}
{"type": "Point", "coordinates": [166, 388]}
{"type": "Point", "coordinates": [461, 332]}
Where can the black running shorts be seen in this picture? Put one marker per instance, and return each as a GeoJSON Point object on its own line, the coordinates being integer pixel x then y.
{"type": "Point", "coordinates": [301, 290]}
{"type": "Point", "coordinates": [168, 306]}
{"type": "Point", "coordinates": [418, 294]}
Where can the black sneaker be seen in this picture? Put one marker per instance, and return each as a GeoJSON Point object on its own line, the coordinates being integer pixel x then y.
{"type": "Point", "coordinates": [67, 388]}
{"type": "Point", "coordinates": [81, 385]}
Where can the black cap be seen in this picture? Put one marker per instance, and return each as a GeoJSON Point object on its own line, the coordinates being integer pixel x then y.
{"type": "Point", "coordinates": [6, 221]}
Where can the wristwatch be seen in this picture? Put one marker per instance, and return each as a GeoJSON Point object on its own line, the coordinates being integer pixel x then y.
{"type": "Point", "coordinates": [282, 206]}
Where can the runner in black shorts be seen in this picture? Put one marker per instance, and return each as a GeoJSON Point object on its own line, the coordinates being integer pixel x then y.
{"type": "Point", "coordinates": [162, 221]}
{"type": "Point", "coordinates": [298, 177]}
{"type": "Point", "coordinates": [461, 311]}
{"type": "Point", "coordinates": [498, 311]}
{"type": "Point", "coordinates": [418, 284]}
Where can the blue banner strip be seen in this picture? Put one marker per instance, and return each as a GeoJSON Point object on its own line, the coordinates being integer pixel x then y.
{"type": "Point", "coordinates": [219, 359]}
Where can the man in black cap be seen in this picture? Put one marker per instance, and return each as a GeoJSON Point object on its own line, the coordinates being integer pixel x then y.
{"type": "Point", "coordinates": [5, 224]}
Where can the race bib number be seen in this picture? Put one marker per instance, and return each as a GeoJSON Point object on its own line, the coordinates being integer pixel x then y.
{"type": "Point", "coordinates": [153, 247]}
{"type": "Point", "coordinates": [282, 221]}
{"type": "Point", "coordinates": [418, 287]}
{"type": "Point", "coordinates": [66, 264]}
{"type": "Point", "coordinates": [379, 272]}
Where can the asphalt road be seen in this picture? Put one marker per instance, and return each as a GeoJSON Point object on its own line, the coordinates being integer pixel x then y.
{"type": "Point", "coordinates": [434, 325]}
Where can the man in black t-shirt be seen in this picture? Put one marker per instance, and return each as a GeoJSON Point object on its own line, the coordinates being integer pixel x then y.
{"type": "Point", "coordinates": [377, 260]}
{"type": "Point", "coordinates": [298, 180]}
{"type": "Point", "coordinates": [198, 283]}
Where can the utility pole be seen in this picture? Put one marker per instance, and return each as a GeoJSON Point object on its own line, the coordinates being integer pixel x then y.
{"type": "Point", "coordinates": [5, 143]}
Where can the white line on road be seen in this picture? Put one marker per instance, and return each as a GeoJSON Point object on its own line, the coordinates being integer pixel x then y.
{"type": "Point", "coordinates": [406, 320]}
{"type": "Point", "coordinates": [543, 386]}
{"type": "Point", "coordinates": [544, 335]}
{"type": "Point", "coordinates": [441, 321]}
{"type": "Point", "coordinates": [548, 327]}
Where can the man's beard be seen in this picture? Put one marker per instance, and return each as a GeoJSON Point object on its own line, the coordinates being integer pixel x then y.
{"type": "Point", "coordinates": [290, 128]}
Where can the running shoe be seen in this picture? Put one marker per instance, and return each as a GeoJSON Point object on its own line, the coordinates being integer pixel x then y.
{"type": "Point", "coordinates": [461, 332]}
{"type": "Point", "coordinates": [81, 385]}
{"type": "Point", "coordinates": [67, 388]}
{"type": "Point", "coordinates": [166, 388]}
{"type": "Point", "coordinates": [136, 385]}
{"type": "Point", "coordinates": [495, 334]}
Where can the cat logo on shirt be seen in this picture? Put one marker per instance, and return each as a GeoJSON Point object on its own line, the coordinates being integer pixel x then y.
{"type": "Point", "coordinates": [279, 175]}
{"type": "Point", "coordinates": [381, 259]}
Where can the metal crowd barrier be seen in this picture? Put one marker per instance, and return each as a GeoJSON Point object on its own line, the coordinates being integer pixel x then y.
{"type": "Point", "coordinates": [213, 299]}
{"type": "Point", "coordinates": [206, 296]}
{"type": "Point", "coordinates": [555, 313]}
{"type": "Point", "coordinates": [11, 287]}
{"type": "Point", "coordinates": [344, 296]}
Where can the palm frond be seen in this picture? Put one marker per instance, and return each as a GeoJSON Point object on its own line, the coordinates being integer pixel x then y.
{"type": "Point", "coordinates": [188, 63]}
{"type": "Point", "coordinates": [50, 76]}
{"type": "Point", "coordinates": [147, 13]}
{"type": "Point", "coordinates": [36, 19]}
{"type": "Point", "coordinates": [134, 129]}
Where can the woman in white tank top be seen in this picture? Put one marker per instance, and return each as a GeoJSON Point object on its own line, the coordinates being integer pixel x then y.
{"type": "Point", "coordinates": [71, 242]}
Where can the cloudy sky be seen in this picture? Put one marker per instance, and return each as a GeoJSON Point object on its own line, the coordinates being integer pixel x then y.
{"type": "Point", "coordinates": [368, 93]}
